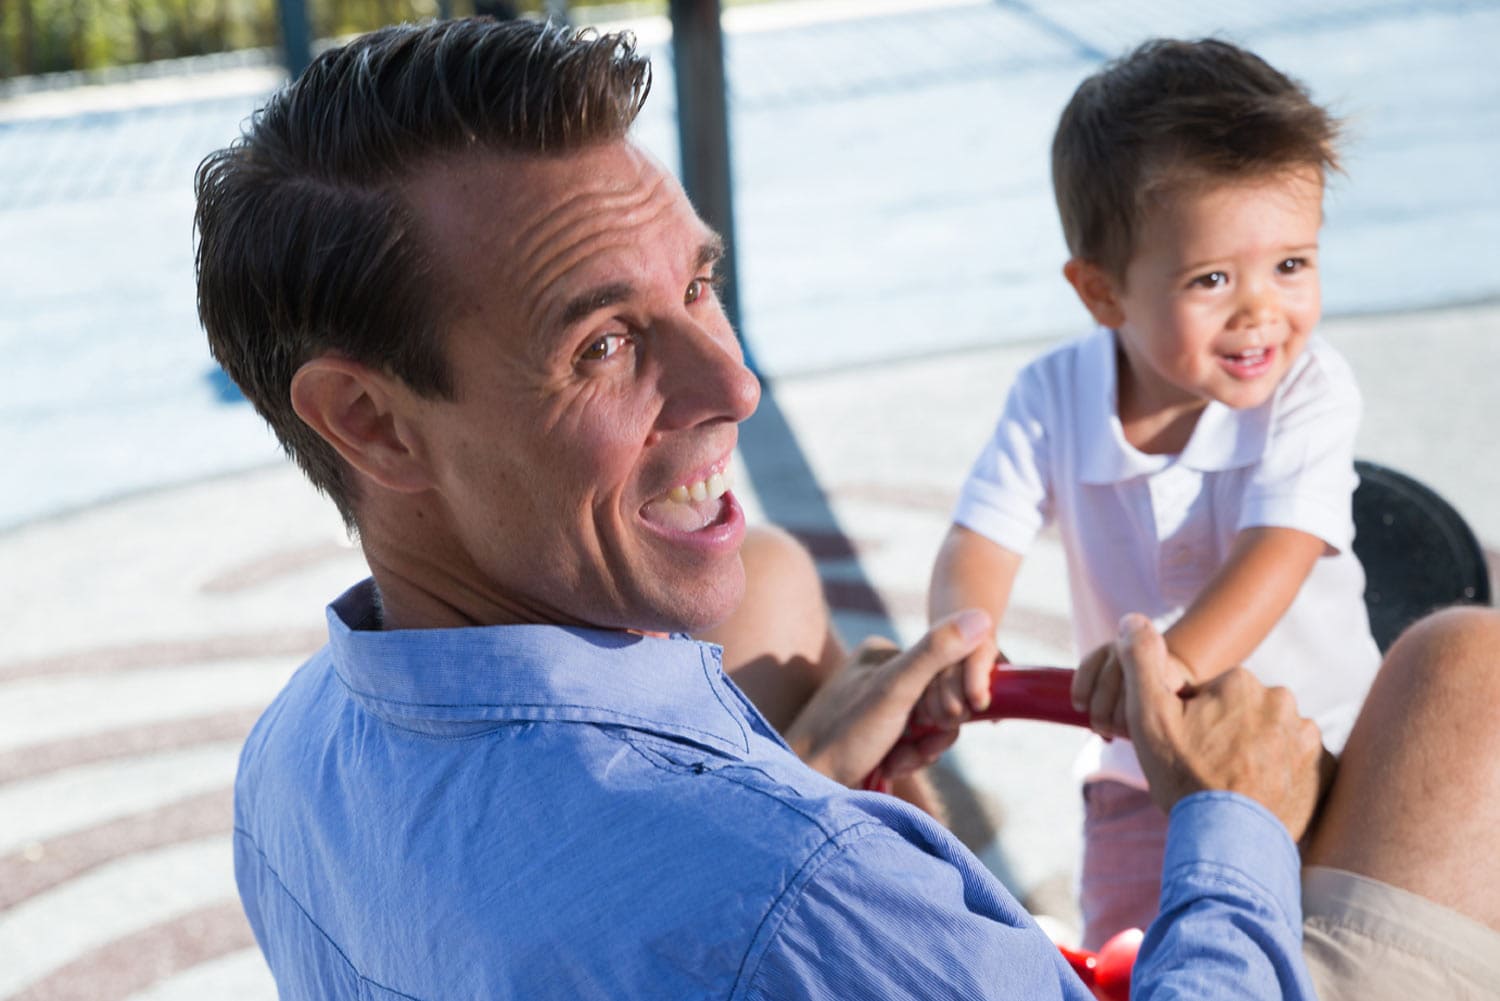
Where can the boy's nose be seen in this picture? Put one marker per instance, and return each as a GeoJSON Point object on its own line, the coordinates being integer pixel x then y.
{"type": "Point", "coordinates": [1258, 305]}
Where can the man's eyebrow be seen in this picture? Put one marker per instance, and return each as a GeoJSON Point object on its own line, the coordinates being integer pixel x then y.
{"type": "Point", "coordinates": [710, 251]}
{"type": "Point", "coordinates": [594, 300]}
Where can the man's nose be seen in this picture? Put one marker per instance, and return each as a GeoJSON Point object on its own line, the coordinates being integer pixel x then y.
{"type": "Point", "coordinates": [704, 377]}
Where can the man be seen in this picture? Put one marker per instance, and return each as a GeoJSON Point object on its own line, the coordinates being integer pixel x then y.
{"type": "Point", "coordinates": [483, 321]}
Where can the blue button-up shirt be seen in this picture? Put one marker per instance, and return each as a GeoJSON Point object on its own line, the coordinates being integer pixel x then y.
{"type": "Point", "coordinates": [533, 812]}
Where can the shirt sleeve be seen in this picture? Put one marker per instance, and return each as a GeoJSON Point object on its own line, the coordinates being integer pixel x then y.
{"type": "Point", "coordinates": [881, 919]}
{"type": "Point", "coordinates": [1306, 478]}
{"type": "Point", "coordinates": [1230, 924]}
{"type": "Point", "coordinates": [1006, 498]}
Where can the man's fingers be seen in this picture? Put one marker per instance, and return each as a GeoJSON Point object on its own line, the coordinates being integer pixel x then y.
{"type": "Point", "coordinates": [1086, 677]}
{"type": "Point", "coordinates": [910, 756]}
{"type": "Point", "coordinates": [1151, 686]}
{"type": "Point", "coordinates": [1106, 698]}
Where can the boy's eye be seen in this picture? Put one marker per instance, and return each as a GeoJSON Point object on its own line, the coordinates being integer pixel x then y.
{"type": "Point", "coordinates": [604, 347]}
{"type": "Point", "coordinates": [1292, 265]}
{"type": "Point", "coordinates": [1214, 279]}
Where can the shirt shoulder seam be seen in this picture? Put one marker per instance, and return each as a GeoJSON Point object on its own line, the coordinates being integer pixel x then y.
{"type": "Point", "coordinates": [770, 924]}
{"type": "Point", "coordinates": [249, 839]}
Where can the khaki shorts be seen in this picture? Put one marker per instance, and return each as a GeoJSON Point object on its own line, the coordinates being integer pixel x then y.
{"type": "Point", "coordinates": [1370, 941]}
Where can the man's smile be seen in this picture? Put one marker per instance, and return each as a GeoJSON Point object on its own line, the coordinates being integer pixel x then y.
{"type": "Point", "coordinates": [694, 504]}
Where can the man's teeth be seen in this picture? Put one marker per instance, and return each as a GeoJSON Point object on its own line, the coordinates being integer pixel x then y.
{"type": "Point", "coordinates": [700, 490]}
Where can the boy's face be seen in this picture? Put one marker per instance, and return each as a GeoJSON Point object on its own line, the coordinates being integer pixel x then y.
{"type": "Point", "coordinates": [1221, 294]}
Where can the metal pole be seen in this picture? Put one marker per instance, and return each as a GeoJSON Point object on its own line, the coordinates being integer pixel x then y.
{"type": "Point", "coordinates": [785, 481]}
{"type": "Point", "coordinates": [703, 128]}
{"type": "Point", "coordinates": [296, 39]}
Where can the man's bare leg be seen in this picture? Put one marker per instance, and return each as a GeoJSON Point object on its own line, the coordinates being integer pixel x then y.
{"type": "Point", "coordinates": [1416, 802]}
{"type": "Point", "coordinates": [781, 644]}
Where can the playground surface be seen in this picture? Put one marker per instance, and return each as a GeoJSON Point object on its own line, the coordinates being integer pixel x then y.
{"type": "Point", "coordinates": [166, 569]}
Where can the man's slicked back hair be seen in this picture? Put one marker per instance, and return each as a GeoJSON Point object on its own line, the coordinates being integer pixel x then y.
{"type": "Point", "coordinates": [305, 245]}
{"type": "Point", "coordinates": [1175, 113]}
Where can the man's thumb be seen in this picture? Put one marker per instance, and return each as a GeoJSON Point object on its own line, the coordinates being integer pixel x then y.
{"type": "Point", "coordinates": [949, 641]}
{"type": "Point", "coordinates": [1149, 679]}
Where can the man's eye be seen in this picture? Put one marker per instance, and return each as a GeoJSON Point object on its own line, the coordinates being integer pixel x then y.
{"type": "Point", "coordinates": [697, 289]}
{"type": "Point", "coordinates": [603, 348]}
{"type": "Point", "coordinates": [1214, 279]}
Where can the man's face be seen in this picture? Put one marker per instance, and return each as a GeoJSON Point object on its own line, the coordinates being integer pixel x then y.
{"type": "Point", "coordinates": [1223, 293]}
{"type": "Point", "coordinates": [598, 391]}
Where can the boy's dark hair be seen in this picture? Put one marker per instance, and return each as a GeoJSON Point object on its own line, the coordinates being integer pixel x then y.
{"type": "Point", "coordinates": [1170, 113]}
{"type": "Point", "coordinates": [306, 245]}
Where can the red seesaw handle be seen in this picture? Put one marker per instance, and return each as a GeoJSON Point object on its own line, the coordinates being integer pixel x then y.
{"type": "Point", "coordinates": [1038, 693]}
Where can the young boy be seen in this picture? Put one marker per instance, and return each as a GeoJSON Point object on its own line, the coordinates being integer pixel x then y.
{"type": "Point", "coordinates": [1196, 451]}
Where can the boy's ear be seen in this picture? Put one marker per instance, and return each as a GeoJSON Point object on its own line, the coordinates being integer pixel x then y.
{"type": "Point", "coordinates": [1096, 290]}
{"type": "Point", "coordinates": [363, 414]}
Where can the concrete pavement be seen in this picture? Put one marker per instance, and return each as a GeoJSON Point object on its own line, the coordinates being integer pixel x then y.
{"type": "Point", "coordinates": [165, 571]}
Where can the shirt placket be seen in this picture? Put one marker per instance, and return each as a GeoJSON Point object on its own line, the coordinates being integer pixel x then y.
{"type": "Point", "coordinates": [1185, 557]}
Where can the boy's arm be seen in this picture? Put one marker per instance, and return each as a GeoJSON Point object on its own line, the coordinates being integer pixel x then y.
{"type": "Point", "coordinates": [970, 572]}
{"type": "Point", "coordinates": [1234, 612]}
{"type": "Point", "coordinates": [1244, 600]}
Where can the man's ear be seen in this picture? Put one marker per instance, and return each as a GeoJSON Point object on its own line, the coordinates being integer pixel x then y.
{"type": "Point", "coordinates": [362, 414]}
{"type": "Point", "coordinates": [1096, 290]}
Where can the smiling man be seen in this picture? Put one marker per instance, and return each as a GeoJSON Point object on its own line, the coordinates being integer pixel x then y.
{"type": "Point", "coordinates": [483, 321]}
{"type": "Point", "coordinates": [582, 334]}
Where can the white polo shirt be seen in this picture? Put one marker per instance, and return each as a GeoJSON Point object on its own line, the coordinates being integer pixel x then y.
{"type": "Point", "coordinates": [1144, 533]}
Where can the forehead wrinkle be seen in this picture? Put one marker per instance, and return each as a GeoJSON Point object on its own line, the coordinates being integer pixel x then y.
{"type": "Point", "coordinates": [571, 227]}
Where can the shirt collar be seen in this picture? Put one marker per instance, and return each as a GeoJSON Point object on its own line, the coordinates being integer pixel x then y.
{"type": "Point", "coordinates": [451, 679]}
{"type": "Point", "coordinates": [1223, 438]}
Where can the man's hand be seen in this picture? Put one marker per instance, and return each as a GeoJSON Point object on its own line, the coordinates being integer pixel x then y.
{"type": "Point", "coordinates": [854, 719]}
{"type": "Point", "coordinates": [1231, 733]}
{"type": "Point", "coordinates": [1099, 690]}
{"type": "Point", "coordinates": [960, 691]}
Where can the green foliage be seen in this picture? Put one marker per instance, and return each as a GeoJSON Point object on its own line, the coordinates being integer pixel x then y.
{"type": "Point", "coordinates": [49, 36]}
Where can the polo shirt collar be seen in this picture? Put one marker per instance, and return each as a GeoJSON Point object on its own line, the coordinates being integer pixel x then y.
{"type": "Point", "coordinates": [451, 680]}
{"type": "Point", "coordinates": [1223, 439]}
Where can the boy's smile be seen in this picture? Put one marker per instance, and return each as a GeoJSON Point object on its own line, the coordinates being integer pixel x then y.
{"type": "Point", "coordinates": [1218, 300]}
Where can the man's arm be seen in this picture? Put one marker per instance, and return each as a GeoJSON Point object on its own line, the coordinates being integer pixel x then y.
{"type": "Point", "coordinates": [1238, 771]}
{"type": "Point", "coordinates": [900, 910]}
